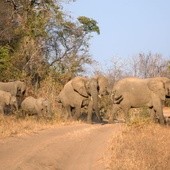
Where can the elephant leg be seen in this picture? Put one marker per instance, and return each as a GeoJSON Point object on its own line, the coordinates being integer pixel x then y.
{"type": "Point", "coordinates": [113, 114]}
{"type": "Point", "coordinates": [23, 114]}
{"type": "Point", "coordinates": [1, 110]}
{"type": "Point", "coordinates": [77, 112]}
{"type": "Point", "coordinates": [162, 120]}
{"type": "Point", "coordinates": [159, 111]}
{"type": "Point", "coordinates": [153, 115]}
{"type": "Point", "coordinates": [68, 112]}
{"type": "Point", "coordinates": [89, 113]}
{"type": "Point", "coordinates": [98, 116]}
{"type": "Point", "coordinates": [125, 109]}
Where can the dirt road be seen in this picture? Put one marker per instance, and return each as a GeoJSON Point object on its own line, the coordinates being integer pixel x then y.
{"type": "Point", "coordinates": [71, 147]}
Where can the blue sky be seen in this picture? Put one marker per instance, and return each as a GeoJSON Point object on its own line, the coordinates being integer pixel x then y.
{"type": "Point", "coordinates": [128, 27]}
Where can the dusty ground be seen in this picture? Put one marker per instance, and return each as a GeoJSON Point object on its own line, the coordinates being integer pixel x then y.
{"type": "Point", "coordinates": [71, 147]}
{"type": "Point", "coordinates": [68, 147]}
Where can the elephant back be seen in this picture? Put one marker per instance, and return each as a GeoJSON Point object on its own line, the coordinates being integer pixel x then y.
{"type": "Point", "coordinates": [28, 104]}
{"type": "Point", "coordinates": [7, 87]}
{"type": "Point", "coordinates": [16, 88]}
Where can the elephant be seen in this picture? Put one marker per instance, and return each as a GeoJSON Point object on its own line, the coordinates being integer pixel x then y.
{"type": "Point", "coordinates": [16, 88]}
{"type": "Point", "coordinates": [134, 92]}
{"type": "Point", "coordinates": [7, 100]}
{"type": "Point", "coordinates": [36, 106]}
{"type": "Point", "coordinates": [80, 92]}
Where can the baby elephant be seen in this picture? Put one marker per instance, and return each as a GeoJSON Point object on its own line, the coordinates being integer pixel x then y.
{"type": "Point", "coordinates": [7, 101]}
{"type": "Point", "coordinates": [32, 106]}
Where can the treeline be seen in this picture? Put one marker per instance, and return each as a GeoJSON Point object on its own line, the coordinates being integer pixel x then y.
{"type": "Point", "coordinates": [38, 40]}
{"type": "Point", "coordinates": [143, 65]}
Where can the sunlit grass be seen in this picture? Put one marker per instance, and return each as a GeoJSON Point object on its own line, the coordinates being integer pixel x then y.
{"type": "Point", "coordinates": [12, 126]}
{"type": "Point", "coordinates": [142, 147]}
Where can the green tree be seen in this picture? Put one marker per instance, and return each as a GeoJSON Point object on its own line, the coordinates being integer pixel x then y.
{"type": "Point", "coordinates": [68, 45]}
{"type": "Point", "coordinates": [42, 39]}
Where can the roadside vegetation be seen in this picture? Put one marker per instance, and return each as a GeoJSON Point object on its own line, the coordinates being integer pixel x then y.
{"type": "Point", "coordinates": [141, 146]}
{"type": "Point", "coordinates": [45, 47]}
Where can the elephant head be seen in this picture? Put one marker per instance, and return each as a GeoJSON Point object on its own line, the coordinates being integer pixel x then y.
{"type": "Point", "coordinates": [20, 88]}
{"type": "Point", "coordinates": [166, 82]}
{"type": "Point", "coordinates": [167, 88]}
{"type": "Point", "coordinates": [160, 86]}
{"type": "Point", "coordinates": [91, 88]}
{"type": "Point", "coordinates": [102, 85]}
{"type": "Point", "coordinates": [43, 107]}
{"type": "Point", "coordinates": [84, 85]}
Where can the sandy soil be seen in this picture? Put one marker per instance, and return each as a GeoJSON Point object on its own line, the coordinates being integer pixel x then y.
{"type": "Point", "coordinates": [71, 147]}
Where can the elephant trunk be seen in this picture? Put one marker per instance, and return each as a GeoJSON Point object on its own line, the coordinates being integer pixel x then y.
{"type": "Point", "coordinates": [94, 95]}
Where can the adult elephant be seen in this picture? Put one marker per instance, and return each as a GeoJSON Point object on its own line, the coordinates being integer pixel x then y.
{"type": "Point", "coordinates": [135, 93]}
{"type": "Point", "coordinates": [82, 91]}
{"type": "Point", "coordinates": [16, 88]}
{"type": "Point", "coordinates": [7, 100]}
{"type": "Point", "coordinates": [36, 106]}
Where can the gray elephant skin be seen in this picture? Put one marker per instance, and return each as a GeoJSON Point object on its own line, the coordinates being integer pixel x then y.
{"type": "Point", "coordinates": [80, 92]}
{"type": "Point", "coordinates": [7, 100]}
{"type": "Point", "coordinates": [135, 93]}
{"type": "Point", "coordinates": [16, 88]}
{"type": "Point", "coordinates": [32, 106]}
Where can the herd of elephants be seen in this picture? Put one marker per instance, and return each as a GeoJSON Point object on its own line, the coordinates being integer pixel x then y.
{"type": "Point", "coordinates": [82, 92]}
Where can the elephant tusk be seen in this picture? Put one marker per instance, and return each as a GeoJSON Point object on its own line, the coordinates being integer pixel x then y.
{"type": "Point", "coordinates": [111, 97]}
{"type": "Point", "coordinates": [99, 96]}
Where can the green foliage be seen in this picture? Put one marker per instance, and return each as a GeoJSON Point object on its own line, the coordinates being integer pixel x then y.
{"type": "Point", "coordinates": [8, 71]}
{"type": "Point", "coordinates": [89, 25]}
{"type": "Point", "coordinates": [42, 38]}
{"type": "Point", "coordinates": [4, 60]}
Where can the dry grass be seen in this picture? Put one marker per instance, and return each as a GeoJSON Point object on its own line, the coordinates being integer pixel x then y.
{"type": "Point", "coordinates": [142, 147]}
{"type": "Point", "coordinates": [12, 126]}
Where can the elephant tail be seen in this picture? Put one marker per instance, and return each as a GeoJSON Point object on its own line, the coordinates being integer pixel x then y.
{"type": "Point", "coordinates": [116, 97]}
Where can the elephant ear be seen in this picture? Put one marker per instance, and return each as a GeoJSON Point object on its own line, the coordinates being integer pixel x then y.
{"type": "Point", "coordinates": [158, 87]}
{"type": "Point", "coordinates": [79, 85]}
